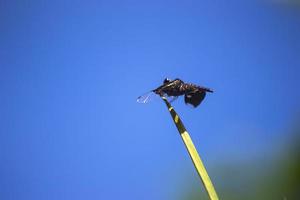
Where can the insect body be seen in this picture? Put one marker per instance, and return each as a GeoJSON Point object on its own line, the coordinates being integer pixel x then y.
{"type": "Point", "coordinates": [193, 94]}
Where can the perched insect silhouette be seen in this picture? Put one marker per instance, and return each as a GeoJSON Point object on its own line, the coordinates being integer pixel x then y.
{"type": "Point", "coordinates": [193, 94]}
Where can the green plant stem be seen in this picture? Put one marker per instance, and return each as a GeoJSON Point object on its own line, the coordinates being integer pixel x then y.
{"type": "Point", "coordinates": [193, 153]}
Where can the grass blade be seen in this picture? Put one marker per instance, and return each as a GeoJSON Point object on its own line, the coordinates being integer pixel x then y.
{"type": "Point", "coordinates": [193, 153]}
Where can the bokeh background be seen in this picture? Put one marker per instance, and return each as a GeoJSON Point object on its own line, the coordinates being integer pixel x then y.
{"type": "Point", "coordinates": [70, 73]}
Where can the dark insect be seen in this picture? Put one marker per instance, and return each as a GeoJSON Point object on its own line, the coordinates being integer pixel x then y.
{"type": "Point", "coordinates": [193, 94]}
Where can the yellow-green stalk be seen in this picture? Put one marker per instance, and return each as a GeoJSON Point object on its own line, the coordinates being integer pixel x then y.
{"type": "Point", "coordinates": [193, 153]}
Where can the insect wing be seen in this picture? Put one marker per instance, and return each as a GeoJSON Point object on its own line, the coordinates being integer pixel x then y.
{"type": "Point", "coordinates": [194, 98]}
{"type": "Point", "coordinates": [170, 98]}
{"type": "Point", "coordinates": [146, 97]}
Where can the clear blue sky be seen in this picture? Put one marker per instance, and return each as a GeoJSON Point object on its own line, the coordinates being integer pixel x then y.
{"type": "Point", "coordinates": [70, 72]}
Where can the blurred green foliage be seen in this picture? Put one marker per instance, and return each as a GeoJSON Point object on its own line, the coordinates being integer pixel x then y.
{"type": "Point", "coordinates": [278, 179]}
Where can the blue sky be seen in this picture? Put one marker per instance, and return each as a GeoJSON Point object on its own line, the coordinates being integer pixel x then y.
{"type": "Point", "coordinates": [71, 72]}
